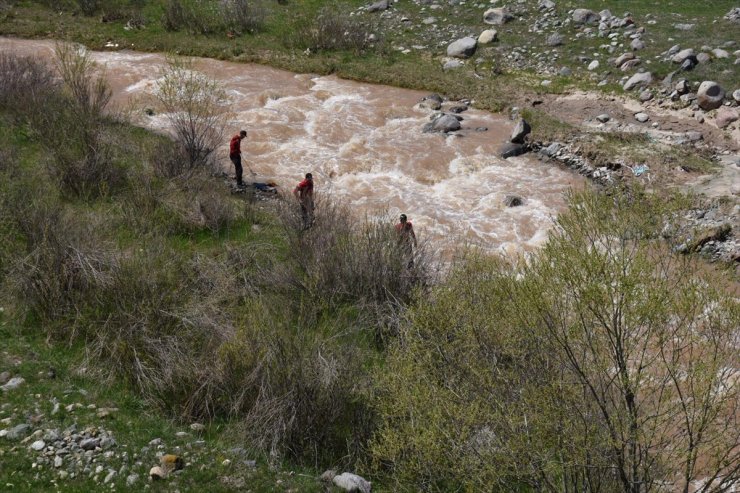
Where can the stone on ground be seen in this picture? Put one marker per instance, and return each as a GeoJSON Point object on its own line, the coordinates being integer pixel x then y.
{"type": "Point", "coordinates": [497, 16]}
{"type": "Point", "coordinates": [710, 95]}
{"type": "Point", "coordinates": [352, 483]}
{"type": "Point", "coordinates": [462, 48]}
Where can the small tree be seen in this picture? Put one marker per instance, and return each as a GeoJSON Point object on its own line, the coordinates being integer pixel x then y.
{"type": "Point", "coordinates": [195, 106]}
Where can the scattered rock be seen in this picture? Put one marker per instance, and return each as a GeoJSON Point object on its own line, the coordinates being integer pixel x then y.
{"type": "Point", "coordinates": [682, 55]}
{"type": "Point", "coordinates": [521, 130]}
{"type": "Point", "coordinates": [725, 116]}
{"type": "Point", "coordinates": [684, 27]}
{"type": "Point", "coordinates": [198, 427]}
{"type": "Point", "coordinates": [720, 53]}
{"type": "Point", "coordinates": [717, 233]}
{"type": "Point", "coordinates": [513, 201]}
{"type": "Point", "coordinates": [511, 150]}
{"type": "Point", "coordinates": [642, 117]}
{"type": "Point", "coordinates": [593, 65]}
{"type": "Point", "coordinates": [621, 59]}
{"type": "Point", "coordinates": [444, 123]}
{"type": "Point", "coordinates": [462, 48]}
{"type": "Point", "coordinates": [378, 6]}
{"type": "Point", "coordinates": [646, 95]}
{"type": "Point", "coordinates": [170, 462]}
{"type": "Point", "coordinates": [546, 5]}
{"type": "Point", "coordinates": [4, 377]}
{"type": "Point", "coordinates": [630, 64]}
{"type": "Point", "coordinates": [603, 118]}
{"type": "Point", "coordinates": [90, 443]}
{"type": "Point", "coordinates": [488, 36]}
{"type": "Point", "coordinates": [18, 432]}
{"type": "Point", "coordinates": [551, 150]}
{"type": "Point", "coordinates": [352, 483]}
{"type": "Point", "coordinates": [637, 44]}
{"type": "Point", "coordinates": [132, 479]}
{"type": "Point", "coordinates": [13, 384]}
{"type": "Point", "coordinates": [733, 15]}
{"type": "Point", "coordinates": [640, 79]}
{"type": "Point", "coordinates": [452, 64]}
{"type": "Point", "coordinates": [710, 95]}
{"type": "Point", "coordinates": [157, 473]}
{"type": "Point", "coordinates": [497, 16]}
{"type": "Point", "coordinates": [38, 445]}
{"type": "Point", "coordinates": [585, 16]}
{"type": "Point", "coordinates": [693, 136]}
{"type": "Point", "coordinates": [701, 58]}
{"type": "Point", "coordinates": [58, 462]}
{"type": "Point", "coordinates": [555, 39]}
{"type": "Point", "coordinates": [736, 95]}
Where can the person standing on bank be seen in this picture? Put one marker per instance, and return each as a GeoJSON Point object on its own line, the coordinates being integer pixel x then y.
{"type": "Point", "coordinates": [406, 238]}
{"type": "Point", "coordinates": [235, 154]}
{"type": "Point", "coordinates": [304, 193]}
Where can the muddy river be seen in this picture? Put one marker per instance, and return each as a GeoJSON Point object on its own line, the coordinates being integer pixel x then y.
{"type": "Point", "coordinates": [364, 144]}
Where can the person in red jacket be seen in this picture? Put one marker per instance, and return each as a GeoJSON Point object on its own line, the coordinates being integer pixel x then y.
{"type": "Point", "coordinates": [235, 154]}
{"type": "Point", "coordinates": [304, 193]}
{"type": "Point", "coordinates": [406, 238]}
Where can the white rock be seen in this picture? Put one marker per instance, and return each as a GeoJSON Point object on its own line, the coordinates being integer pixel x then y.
{"type": "Point", "coordinates": [13, 384]}
{"type": "Point", "coordinates": [352, 482]}
{"type": "Point", "coordinates": [58, 461]}
{"type": "Point", "coordinates": [488, 36]}
{"type": "Point", "coordinates": [593, 65]}
{"type": "Point", "coordinates": [38, 445]}
{"type": "Point", "coordinates": [642, 117]}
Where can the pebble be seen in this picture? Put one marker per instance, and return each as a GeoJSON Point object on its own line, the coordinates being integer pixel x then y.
{"type": "Point", "coordinates": [38, 445]}
{"type": "Point", "coordinates": [642, 117]}
{"type": "Point", "coordinates": [13, 384]}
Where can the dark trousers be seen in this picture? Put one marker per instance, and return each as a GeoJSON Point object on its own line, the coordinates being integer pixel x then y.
{"type": "Point", "coordinates": [237, 160]}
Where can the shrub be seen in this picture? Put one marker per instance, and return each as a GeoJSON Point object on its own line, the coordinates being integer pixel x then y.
{"type": "Point", "coordinates": [244, 15]}
{"type": "Point", "coordinates": [344, 261]}
{"type": "Point", "coordinates": [24, 81]}
{"type": "Point", "coordinates": [195, 107]}
{"type": "Point", "coordinates": [333, 30]}
{"type": "Point", "coordinates": [196, 16]}
{"type": "Point", "coordinates": [601, 363]}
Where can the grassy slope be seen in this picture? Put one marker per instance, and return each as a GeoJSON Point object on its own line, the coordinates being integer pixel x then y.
{"type": "Point", "coordinates": [27, 352]}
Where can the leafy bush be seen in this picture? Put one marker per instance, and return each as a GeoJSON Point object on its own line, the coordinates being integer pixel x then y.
{"type": "Point", "coordinates": [600, 363]}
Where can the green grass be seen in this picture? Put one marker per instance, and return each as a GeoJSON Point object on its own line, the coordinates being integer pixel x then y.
{"type": "Point", "coordinates": [133, 426]}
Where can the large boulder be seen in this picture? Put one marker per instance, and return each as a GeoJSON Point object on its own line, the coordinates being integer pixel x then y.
{"type": "Point", "coordinates": [498, 16]}
{"type": "Point", "coordinates": [444, 124]}
{"type": "Point", "coordinates": [488, 36]}
{"type": "Point", "coordinates": [682, 55]}
{"type": "Point", "coordinates": [640, 79]}
{"type": "Point", "coordinates": [510, 150]}
{"type": "Point", "coordinates": [521, 130]}
{"type": "Point", "coordinates": [585, 16]}
{"type": "Point", "coordinates": [462, 48]}
{"type": "Point", "coordinates": [710, 95]}
{"type": "Point", "coordinates": [352, 483]}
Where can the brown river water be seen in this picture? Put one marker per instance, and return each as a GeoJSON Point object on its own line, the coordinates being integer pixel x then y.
{"type": "Point", "coordinates": [363, 143]}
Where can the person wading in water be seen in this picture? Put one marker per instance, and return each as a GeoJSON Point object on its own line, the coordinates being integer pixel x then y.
{"type": "Point", "coordinates": [235, 154]}
{"type": "Point", "coordinates": [406, 239]}
{"type": "Point", "coordinates": [304, 193]}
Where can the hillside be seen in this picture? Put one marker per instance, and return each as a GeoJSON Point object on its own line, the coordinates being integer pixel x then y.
{"type": "Point", "coordinates": [149, 307]}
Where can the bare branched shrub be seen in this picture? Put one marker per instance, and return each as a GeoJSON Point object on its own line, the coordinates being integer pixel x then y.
{"type": "Point", "coordinates": [89, 7]}
{"type": "Point", "coordinates": [334, 29]}
{"type": "Point", "coordinates": [24, 81]}
{"type": "Point", "coordinates": [196, 111]}
{"type": "Point", "coordinates": [196, 16]}
{"type": "Point", "coordinates": [81, 154]}
{"type": "Point", "coordinates": [244, 15]}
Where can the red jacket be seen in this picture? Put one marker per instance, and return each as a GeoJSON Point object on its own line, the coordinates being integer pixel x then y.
{"type": "Point", "coordinates": [304, 188]}
{"type": "Point", "coordinates": [235, 146]}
